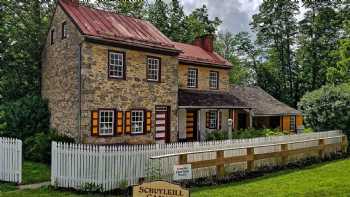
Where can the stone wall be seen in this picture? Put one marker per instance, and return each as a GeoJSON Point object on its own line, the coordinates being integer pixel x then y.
{"type": "Point", "coordinates": [133, 93]}
{"type": "Point", "coordinates": [203, 77]}
{"type": "Point", "coordinates": [60, 76]}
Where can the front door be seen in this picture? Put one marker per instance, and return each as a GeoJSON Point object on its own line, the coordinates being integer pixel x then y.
{"type": "Point", "coordinates": [191, 125]}
{"type": "Point", "coordinates": [162, 124]}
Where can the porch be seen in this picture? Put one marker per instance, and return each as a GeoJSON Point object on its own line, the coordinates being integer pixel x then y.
{"type": "Point", "coordinates": [201, 112]}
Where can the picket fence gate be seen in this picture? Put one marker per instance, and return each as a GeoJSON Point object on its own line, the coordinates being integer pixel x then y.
{"type": "Point", "coordinates": [82, 166]}
{"type": "Point", "coordinates": [10, 160]}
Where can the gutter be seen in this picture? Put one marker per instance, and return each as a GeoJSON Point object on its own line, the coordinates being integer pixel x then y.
{"type": "Point", "coordinates": [79, 89]}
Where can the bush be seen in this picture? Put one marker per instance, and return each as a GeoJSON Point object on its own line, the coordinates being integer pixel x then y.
{"type": "Point", "coordinates": [327, 108]}
{"type": "Point", "coordinates": [242, 134]}
{"type": "Point", "coordinates": [38, 147]}
{"type": "Point", "coordinates": [24, 117]}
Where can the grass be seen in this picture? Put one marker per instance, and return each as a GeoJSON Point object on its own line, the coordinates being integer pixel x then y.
{"type": "Point", "coordinates": [328, 179]}
{"type": "Point", "coordinates": [35, 173]}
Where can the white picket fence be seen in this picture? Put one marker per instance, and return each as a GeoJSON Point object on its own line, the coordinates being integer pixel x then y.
{"type": "Point", "coordinates": [10, 160]}
{"type": "Point", "coordinates": [80, 165]}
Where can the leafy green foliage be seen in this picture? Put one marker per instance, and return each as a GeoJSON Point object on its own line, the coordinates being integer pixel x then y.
{"type": "Point", "coordinates": [327, 108]}
{"type": "Point", "coordinates": [129, 8]}
{"type": "Point", "coordinates": [38, 147]}
{"type": "Point", "coordinates": [242, 134]}
{"type": "Point", "coordinates": [24, 117]}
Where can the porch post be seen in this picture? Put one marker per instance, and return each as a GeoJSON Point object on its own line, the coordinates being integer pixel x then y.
{"type": "Point", "coordinates": [250, 118]}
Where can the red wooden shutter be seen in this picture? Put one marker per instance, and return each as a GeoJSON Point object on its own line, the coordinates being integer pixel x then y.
{"type": "Point", "coordinates": [148, 121]}
{"type": "Point", "coordinates": [94, 123]}
{"type": "Point", "coordinates": [219, 119]}
{"type": "Point", "coordinates": [119, 122]}
{"type": "Point", "coordinates": [207, 119]}
{"type": "Point", "coordinates": [127, 122]}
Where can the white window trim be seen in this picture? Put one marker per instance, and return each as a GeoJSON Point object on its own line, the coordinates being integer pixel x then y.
{"type": "Point", "coordinates": [216, 120]}
{"type": "Point", "coordinates": [142, 121]}
{"type": "Point", "coordinates": [100, 122]}
{"type": "Point", "coordinates": [110, 53]}
{"type": "Point", "coordinates": [190, 77]}
{"type": "Point", "coordinates": [157, 70]}
{"type": "Point", "coordinates": [214, 81]}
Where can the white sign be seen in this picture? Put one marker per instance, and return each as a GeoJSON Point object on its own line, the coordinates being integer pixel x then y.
{"type": "Point", "coordinates": [182, 172]}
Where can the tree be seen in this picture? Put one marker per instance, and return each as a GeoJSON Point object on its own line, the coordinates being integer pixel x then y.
{"type": "Point", "coordinates": [199, 24]}
{"type": "Point", "coordinates": [129, 8]}
{"type": "Point", "coordinates": [240, 50]}
{"type": "Point", "coordinates": [23, 31]}
{"type": "Point", "coordinates": [319, 34]}
{"type": "Point", "coordinates": [340, 73]}
{"type": "Point", "coordinates": [157, 15]}
{"type": "Point", "coordinates": [177, 22]}
{"type": "Point", "coordinates": [276, 29]}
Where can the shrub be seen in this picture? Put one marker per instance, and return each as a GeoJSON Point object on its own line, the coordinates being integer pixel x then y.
{"type": "Point", "coordinates": [24, 117]}
{"type": "Point", "coordinates": [38, 147]}
{"type": "Point", "coordinates": [242, 134]}
{"type": "Point", "coordinates": [327, 108]}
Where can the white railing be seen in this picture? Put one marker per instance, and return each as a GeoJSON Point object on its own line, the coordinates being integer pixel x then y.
{"type": "Point", "coordinates": [79, 165]}
{"type": "Point", "coordinates": [10, 160]}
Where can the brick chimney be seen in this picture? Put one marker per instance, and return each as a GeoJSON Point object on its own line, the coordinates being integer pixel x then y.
{"type": "Point", "coordinates": [206, 42]}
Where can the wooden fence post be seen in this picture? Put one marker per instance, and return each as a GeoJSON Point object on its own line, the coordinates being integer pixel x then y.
{"type": "Point", "coordinates": [220, 167]}
{"type": "Point", "coordinates": [250, 159]}
{"type": "Point", "coordinates": [284, 153]}
{"type": "Point", "coordinates": [344, 144]}
{"type": "Point", "coordinates": [321, 151]}
{"type": "Point", "coordinates": [183, 159]}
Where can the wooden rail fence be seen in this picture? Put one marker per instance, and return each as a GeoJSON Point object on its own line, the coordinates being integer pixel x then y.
{"type": "Point", "coordinates": [220, 161]}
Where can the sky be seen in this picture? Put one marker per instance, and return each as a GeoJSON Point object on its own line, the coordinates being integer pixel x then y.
{"type": "Point", "coordinates": [235, 14]}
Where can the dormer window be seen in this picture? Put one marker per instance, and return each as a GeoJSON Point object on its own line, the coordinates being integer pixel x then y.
{"type": "Point", "coordinates": [116, 65]}
{"type": "Point", "coordinates": [64, 30]}
{"type": "Point", "coordinates": [52, 37]}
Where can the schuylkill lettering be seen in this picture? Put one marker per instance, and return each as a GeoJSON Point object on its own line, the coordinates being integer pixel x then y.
{"type": "Point", "coordinates": [159, 189]}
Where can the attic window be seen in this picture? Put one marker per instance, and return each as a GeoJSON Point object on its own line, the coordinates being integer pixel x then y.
{"type": "Point", "coordinates": [52, 36]}
{"type": "Point", "coordinates": [116, 65]}
{"type": "Point", "coordinates": [64, 30]}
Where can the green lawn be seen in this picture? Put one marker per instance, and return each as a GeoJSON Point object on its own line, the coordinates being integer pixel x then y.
{"type": "Point", "coordinates": [35, 173]}
{"type": "Point", "coordinates": [330, 179]}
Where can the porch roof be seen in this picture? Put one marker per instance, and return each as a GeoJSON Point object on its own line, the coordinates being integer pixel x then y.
{"type": "Point", "coordinates": [208, 99]}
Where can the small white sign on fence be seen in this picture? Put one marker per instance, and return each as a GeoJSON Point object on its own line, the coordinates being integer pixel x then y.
{"type": "Point", "coordinates": [182, 172]}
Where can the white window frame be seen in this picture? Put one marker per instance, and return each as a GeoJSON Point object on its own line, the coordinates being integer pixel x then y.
{"type": "Point", "coordinates": [153, 69]}
{"type": "Point", "coordinates": [293, 123]}
{"type": "Point", "coordinates": [213, 119]}
{"type": "Point", "coordinates": [140, 121]}
{"type": "Point", "coordinates": [116, 65]}
{"type": "Point", "coordinates": [192, 74]}
{"type": "Point", "coordinates": [213, 79]}
{"type": "Point", "coordinates": [109, 120]}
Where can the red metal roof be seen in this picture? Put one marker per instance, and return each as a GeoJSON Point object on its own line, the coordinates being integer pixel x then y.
{"type": "Point", "coordinates": [109, 25]}
{"type": "Point", "coordinates": [196, 54]}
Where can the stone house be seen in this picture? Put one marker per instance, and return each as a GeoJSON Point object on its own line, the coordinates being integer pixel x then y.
{"type": "Point", "coordinates": [116, 79]}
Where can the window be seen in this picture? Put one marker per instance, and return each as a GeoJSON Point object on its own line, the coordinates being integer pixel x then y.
{"type": "Point", "coordinates": [213, 119]}
{"type": "Point", "coordinates": [153, 69]}
{"type": "Point", "coordinates": [137, 119]}
{"type": "Point", "coordinates": [106, 122]}
{"type": "Point", "coordinates": [213, 80]}
{"type": "Point", "coordinates": [192, 78]}
{"type": "Point", "coordinates": [116, 65]}
{"type": "Point", "coordinates": [64, 30]}
{"type": "Point", "coordinates": [52, 36]}
{"type": "Point", "coordinates": [292, 123]}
